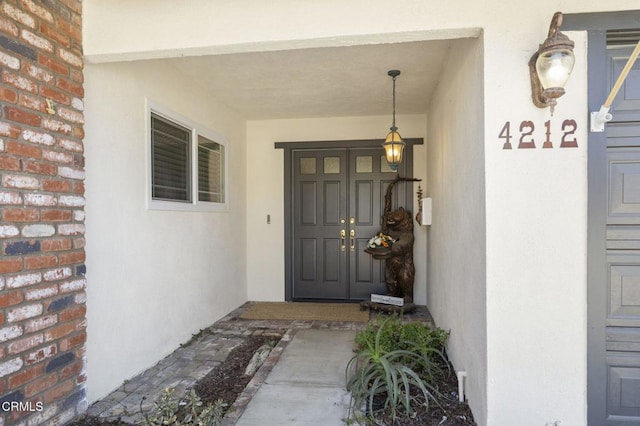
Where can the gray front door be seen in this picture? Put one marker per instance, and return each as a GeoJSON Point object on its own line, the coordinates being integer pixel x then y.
{"type": "Point", "coordinates": [337, 198]}
{"type": "Point", "coordinates": [622, 312]}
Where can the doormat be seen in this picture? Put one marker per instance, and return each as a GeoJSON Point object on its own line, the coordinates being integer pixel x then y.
{"type": "Point", "coordinates": [302, 311]}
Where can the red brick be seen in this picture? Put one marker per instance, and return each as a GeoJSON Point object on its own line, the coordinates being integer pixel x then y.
{"type": "Point", "coordinates": [24, 312]}
{"type": "Point", "coordinates": [10, 265]}
{"type": "Point", "coordinates": [26, 375]}
{"type": "Point", "coordinates": [19, 82]}
{"type": "Point", "coordinates": [56, 215]}
{"type": "Point", "coordinates": [40, 323]}
{"type": "Point", "coordinates": [79, 243]}
{"type": "Point", "coordinates": [54, 34]}
{"type": "Point", "coordinates": [30, 102]}
{"type": "Point", "coordinates": [72, 342]}
{"type": "Point", "coordinates": [33, 7]}
{"type": "Point", "coordinates": [53, 65]}
{"type": "Point", "coordinates": [75, 32]}
{"type": "Point", "coordinates": [71, 87]}
{"type": "Point", "coordinates": [8, 95]}
{"type": "Point", "coordinates": [24, 344]}
{"type": "Point", "coordinates": [20, 215]}
{"type": "Point", "coordinates": [72, 313]}
{"type": "Point", "coordinates": [40, 385]}
{"type": "Point", "coordinates": [78, 132]}
{"type": "Point", "coordinates": [78, 188]}
{"type": "Point", "coordinates": [8, 27]}
{"type": "Point", "coordinates": [3, 386]}
{"type": "Point", "coordinates": [55, 95]}
{"type": "Point", "coordinates": [22, 149]}
{"type": "Point", "coordinates": [56, 185]}
{"type": "Point", "coordinates": [9, 163]}
{"type": "Point", "coordinates": [53, 394]}
{"type": "Point", "coordinates": [71, 370]}
{"type": "Point", "coordinates": [74, 5]}
{"type": "Point", "coordinates": [1, 323]}
{"type": "Point", "coordinates": [71, 257]}
{"type": "Point", "coordinates": [11, 298]}
{"type": "Point", "coordinates": [61, 330]}
{"type": "Point", "coordinates": [37, 293]}
{"type": "Point", "coordinates": [76, 75]}
{"type": "Point", "coordinates": [40, 168]}
{"type": "Point", "coordinates": [56, 245]}
{"type": "Point", "coordinates": [39, 262]}
{"type": "Point", "coordinates": [38, 73]}
{"type": "Point", "coordinates": [41, 354]}
{"type": "Point", "coordinates": [9, 130]}
{"type": "Point", "coordinates": [22, 116]}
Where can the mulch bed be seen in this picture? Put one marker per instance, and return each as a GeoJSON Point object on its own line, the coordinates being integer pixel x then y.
{"type": "Point", "coordinates": [227, 380]}
{"type": "Point", "coordinates": [444, 411]}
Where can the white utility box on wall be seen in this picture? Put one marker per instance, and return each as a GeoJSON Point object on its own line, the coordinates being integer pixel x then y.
{"type": "Point", "coordinates": [426, 211]}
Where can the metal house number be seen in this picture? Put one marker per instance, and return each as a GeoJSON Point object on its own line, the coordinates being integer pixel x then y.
{"type": "Point", "coordinates": [526, 131]}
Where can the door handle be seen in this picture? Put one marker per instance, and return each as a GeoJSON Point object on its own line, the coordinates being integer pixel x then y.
{"type": "Point", "coordinates": [352, 236]}
{"type": "Point", "coordinates": [343, 237]}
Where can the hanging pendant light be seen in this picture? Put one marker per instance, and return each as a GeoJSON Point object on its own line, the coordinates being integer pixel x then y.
{"type": "Point", "coordinates": [393, 144]}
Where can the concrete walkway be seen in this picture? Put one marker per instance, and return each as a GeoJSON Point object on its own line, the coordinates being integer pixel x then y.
{"type": "Point", "coordinates": [307, 386]}
{"type": "Point", "coordinates": [302, 382]}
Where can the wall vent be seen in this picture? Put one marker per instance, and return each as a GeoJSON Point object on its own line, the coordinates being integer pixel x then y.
{"type": "Point", "coordinates": [623, 37]}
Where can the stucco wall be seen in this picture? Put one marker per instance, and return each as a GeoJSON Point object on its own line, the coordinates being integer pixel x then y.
{"type": "Point", "coordinates": [156, 277]}
{"type": "Point", "coordinates": [265, 190]}
{"type": "Point", "coordinates": [536, 251]}
{"type": "Point", "coordinates": [456, 239]}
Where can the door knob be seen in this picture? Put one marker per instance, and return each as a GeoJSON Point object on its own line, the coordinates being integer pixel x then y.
{"type": "Point", "coordinates": [343, 237]}
{"type": "Point", "coordinates": [352, 236]}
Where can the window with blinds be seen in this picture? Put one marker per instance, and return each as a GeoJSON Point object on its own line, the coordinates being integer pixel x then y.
{"type": "Point", "coordinates": [187, 164]}
{"type": "Point", "coordinates": [210, 171]}
{"type": "Point", "coordinates": [170, 162]}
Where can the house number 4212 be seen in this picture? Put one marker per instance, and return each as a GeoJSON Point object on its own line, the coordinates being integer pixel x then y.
{"type": "Point", "coordinates": [527, 128]}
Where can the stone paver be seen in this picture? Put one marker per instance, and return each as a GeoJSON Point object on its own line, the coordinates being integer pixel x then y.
{"type": "Point", "coordinates": [190, 362]}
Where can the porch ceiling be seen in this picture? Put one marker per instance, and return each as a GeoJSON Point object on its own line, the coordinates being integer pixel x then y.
{"type": "Point", "coordinates": [321, 82]}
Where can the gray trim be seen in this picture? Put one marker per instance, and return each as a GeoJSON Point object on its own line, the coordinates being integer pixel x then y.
{"type": "Point", "coordinates": [627, 19]}
{"type": "Point", "coordinates": [359, 143]}
{"type": "Point", "coordinates": [596, 25]}
{"type": "Point", "coordinates": [288, 148]}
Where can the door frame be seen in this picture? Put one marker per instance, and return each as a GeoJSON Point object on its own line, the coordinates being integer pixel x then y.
{"type": "Point", "coordinates": [289, 148]}
{"type": "Point", "coordinates": [596, 24]}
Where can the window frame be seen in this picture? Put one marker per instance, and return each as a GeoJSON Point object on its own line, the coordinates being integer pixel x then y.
{"type": "Point", "coordinates": [196, 129]}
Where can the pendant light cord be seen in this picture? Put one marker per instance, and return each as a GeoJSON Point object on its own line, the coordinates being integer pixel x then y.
{"type": "Point", "coordinates": [393, 126]}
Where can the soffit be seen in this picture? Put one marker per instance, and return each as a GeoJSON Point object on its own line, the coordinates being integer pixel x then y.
{"type": "Point", "coordinates": [321, 82]}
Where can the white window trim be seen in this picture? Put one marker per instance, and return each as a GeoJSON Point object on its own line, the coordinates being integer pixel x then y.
{"type": "Point", "coordinates": [196, 129]}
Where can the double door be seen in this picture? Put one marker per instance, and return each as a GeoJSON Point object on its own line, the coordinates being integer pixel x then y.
{"type": "Point", "coordinates": [338, 201]}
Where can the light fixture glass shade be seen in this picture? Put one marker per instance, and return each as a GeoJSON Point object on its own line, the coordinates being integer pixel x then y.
{"type": "Point", "coordinates": [393, 149]}
{"type": "Point", "coordinates": [554, 67]}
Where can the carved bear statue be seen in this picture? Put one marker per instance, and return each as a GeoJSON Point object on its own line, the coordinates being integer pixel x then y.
{"type": "Point", "coordinates": [400, 270]}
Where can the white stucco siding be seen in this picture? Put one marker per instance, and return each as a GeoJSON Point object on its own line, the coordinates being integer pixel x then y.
{"type": "Point", "coordinates": [156, 277]}
{"type": "Point", "coordinates": [536, 246]}
{"type": "Point", "coordinates": [456, 239]}
{"type": "Point", "coordinates": [265, 183]}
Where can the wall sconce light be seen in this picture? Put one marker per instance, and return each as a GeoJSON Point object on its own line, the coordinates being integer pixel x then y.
{"type": "Point", "coordinates": [393, 144]}
{"type": "Point", "coordinates": [551, 66]}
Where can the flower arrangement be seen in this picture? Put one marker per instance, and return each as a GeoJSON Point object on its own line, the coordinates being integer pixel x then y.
{"type": "Point", "coordinates": [380, 240]}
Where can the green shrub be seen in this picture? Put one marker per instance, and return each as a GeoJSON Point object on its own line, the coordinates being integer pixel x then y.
{"type": "Point", "coordinates": [394, 363]}
{"type": "Point", "coordinates": [396, 335]}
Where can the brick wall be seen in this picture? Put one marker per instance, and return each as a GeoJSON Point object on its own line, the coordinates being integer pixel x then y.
{"type": "Point", "coordinates": [42, 284]}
